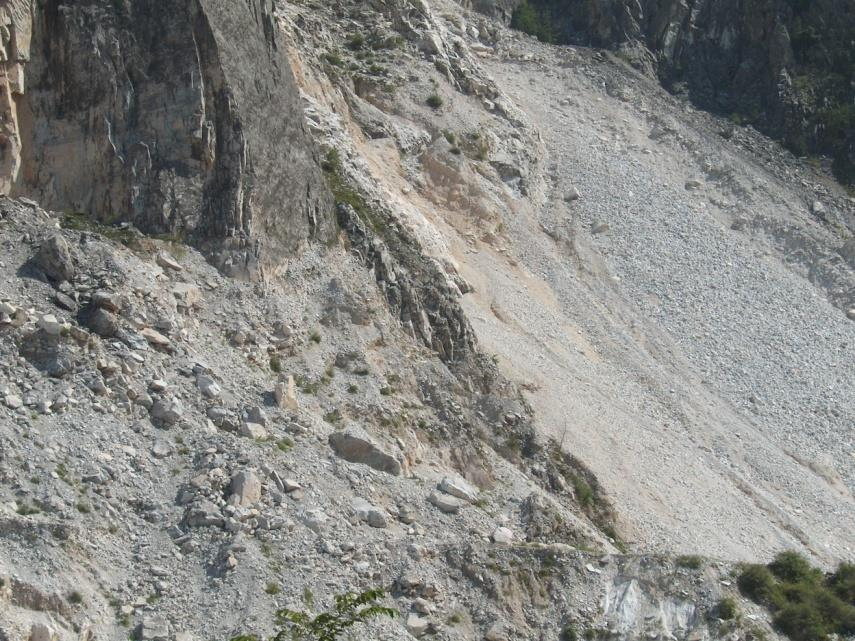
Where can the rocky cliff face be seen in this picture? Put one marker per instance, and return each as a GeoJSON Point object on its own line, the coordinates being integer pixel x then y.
{"type": "Point", "coordinates": [785, 66]}
{"type": "Point", "coordinates": [182, 119]}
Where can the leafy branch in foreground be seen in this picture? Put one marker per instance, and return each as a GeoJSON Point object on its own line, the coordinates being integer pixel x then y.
{"type": "Point", "coordinates": [350, 608]}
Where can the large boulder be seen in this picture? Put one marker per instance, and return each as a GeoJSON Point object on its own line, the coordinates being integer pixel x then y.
{"type": "Point", "coordinates": [245, 488]}
{"type": "Point", "coordinates": [55, 260]}
{"type": "Point", "coordinates": [355, 446]}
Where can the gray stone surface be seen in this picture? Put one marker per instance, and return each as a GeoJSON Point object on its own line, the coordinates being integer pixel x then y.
{"type": "Point", "coordinates": [356, 447]}
{"type": "Point", "coordinates": [55, 259]}
{"type": "Point", "coordinates": [187, 123]}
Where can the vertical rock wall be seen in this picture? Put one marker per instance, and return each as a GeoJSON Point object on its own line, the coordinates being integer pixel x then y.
{"type": "Point", "coordinates": [15, 29]}
{"type": "Point", "coordinates": [181, 117]}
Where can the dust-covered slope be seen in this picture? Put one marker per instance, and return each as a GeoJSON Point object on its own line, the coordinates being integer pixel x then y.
{"type": "Point", "coordinates": [564, 332]}
{"type": "Point", "coordinates": [687, 336]}
{"type": "Point", "coordinates": [672, 292]}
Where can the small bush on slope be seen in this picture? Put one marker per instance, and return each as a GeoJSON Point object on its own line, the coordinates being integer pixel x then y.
{"type": "Point", "coordinates": [350, 609]}
{"type": "Point", "coordinates": [807, 605]}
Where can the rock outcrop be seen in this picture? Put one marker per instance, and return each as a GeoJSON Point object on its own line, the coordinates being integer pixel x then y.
{"type": "Point", "coordinates": [780, 65]}
{"type": "Point", "coordinates": [15, 29]}
{"type": "Point", "coordinates": [181, 119]}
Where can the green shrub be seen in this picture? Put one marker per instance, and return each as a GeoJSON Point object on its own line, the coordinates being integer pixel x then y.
{"type": "Point", "coordinates": [800, 622]}
{"type": "Point", "coordinates": [275, 364]}
{"type": "Point", "coordinates": [350, 609]}
{"type": "Point", "coordinates": [842, 582]}
{"type": "Point", "coordinates": [332, 162]}
{"type": "Point", "coordinates": [791, 567]}
{"type": "Point", "coordinates": [356, 42]}
{"type": "Point", "coordinates": [434, 101]}
{"type": "Point", "coordinates": [726, 609]}
{"type": "Point", "coordinates": [690, 562]}
{"type": "Point", "coordinates": [584, 492]}
{"type": "Point", "coordinates": [26, 510]}
{"type": "Point", "coordinates": [535, 21]}
{"type": "Point", "coordinates": [758, 584]}
{"type": "Point", "coordinates": [568, 634]}
{"type": "Point", "coordinates": [806, 604]}
{"type": "Point", "coordinates": [334, 59]}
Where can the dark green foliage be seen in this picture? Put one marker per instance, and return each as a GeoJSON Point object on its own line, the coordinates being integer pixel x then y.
{"type": "Point", "coordinates": [758, 584]}
{"type": "Point", "coordinates": [726, 609]}
{"type": "Point", "coordinates": [807, 605]}
{"type": "Point", "coordinates": [350, 609]}
{"type": "Point", "coordinates": [79, 221]}
{"type": "Point", "coordinates": [690, 562]}
{"type": "Point", "coordinates": [334, 59]}
{"type": "Point", "coordinates": [791, 567]}
{"type": "Point", "coordinates": [434, 101]}
{"type": "Point", "coordinates": [842, 582]}
{"type": "Point", "coordinates": [345, 194]}
{"type": "Point", "coordinates": [568, 634]}
{"type": "Point", "coordinates": [332, 162]}
{"type": "Point", "coordinates": [356, 42]}
{"type": "Point", "coordinates": [26, 510]}
{"type": "Point", "coordinates": [535, 21]}
{"type": "Point", "coordinates": [583, 491]}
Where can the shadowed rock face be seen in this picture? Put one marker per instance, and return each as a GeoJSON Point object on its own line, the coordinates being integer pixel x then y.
{"type": "Point", "coordinates": [182, 118]}
{"type": "Point", "coordinates": [786, 66]}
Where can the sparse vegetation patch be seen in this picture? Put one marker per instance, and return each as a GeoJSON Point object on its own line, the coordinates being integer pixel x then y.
{"type": "Point", "coordinates": [807, 604]}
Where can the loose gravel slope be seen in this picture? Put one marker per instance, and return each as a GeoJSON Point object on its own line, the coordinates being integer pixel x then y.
{"type": "Point", "coordinates": [682, 324]}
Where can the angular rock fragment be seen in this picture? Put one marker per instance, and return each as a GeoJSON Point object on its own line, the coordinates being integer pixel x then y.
{"type": "Point", "coordinates": [202, 514]}
{"type": "Point", "coordinates": [187, 296]}
{"type": "Point", "coordinates": [503, 536]}
{"type": "Point", "coordinates": [167, 411]}
{"type": "Point", "coordinates": [65, 302]}
{"type": "Point", "coordinates": [245, 488]}
{"type": "Point", "coordinates": [102, 322]}
{"type": "Point", "coordinates": [154, 628]}
{"type": "Point", "coordinates": [166, 261]}
{"type": "Point", "coordinates": [358, 448]}
{"type": "Point", "coordinates": [55, 260]}
{"type": "Point", "coordinates": [208, 386]}
{"type": "Point", "coordinates": [458, 488]}
{"type": "Point", "coordinates": [155, 338]}
{"type": "Point", "coordinates": [417, 625]}
{"type": "Point", "coordinates": [285, 395]}
{"type": "Point", "coordinates": [50, 325]}
{"type": "Point", "coordinates": [253, 430]}
{"type": "Point", "coordinates": [445, 503]}
{"type": "Point", "coordinates": [106, 300]}
{"type": "Point", "coordinates": [42, 632]}
{"type": "Point", "coordinates": [374, 516]}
